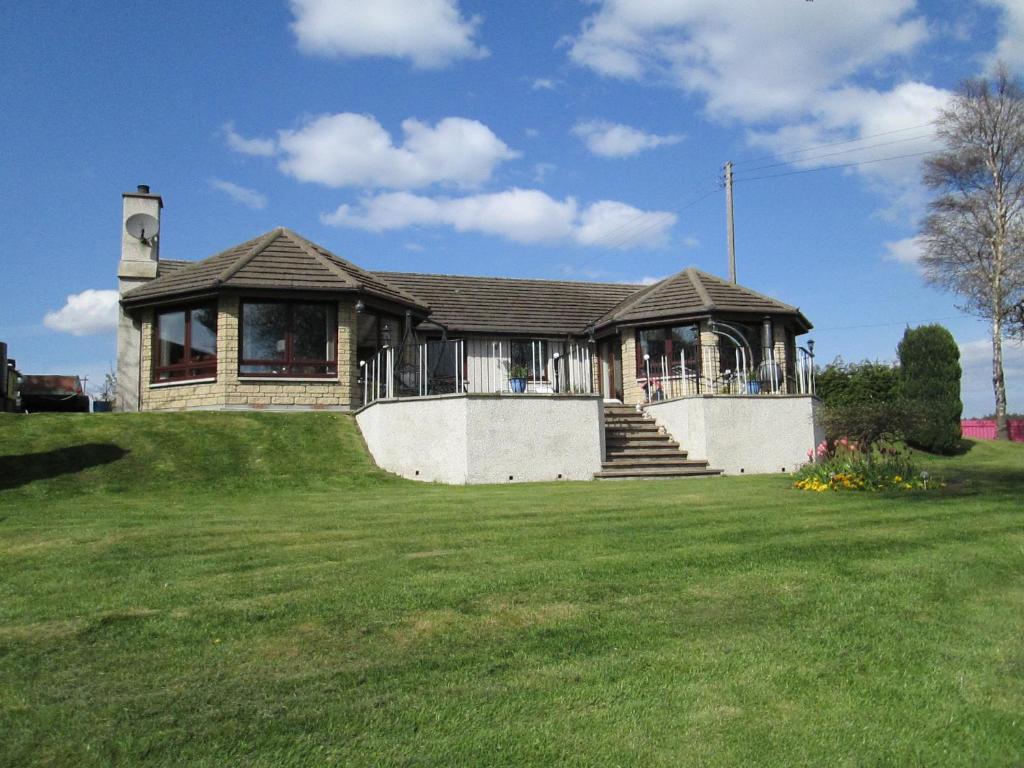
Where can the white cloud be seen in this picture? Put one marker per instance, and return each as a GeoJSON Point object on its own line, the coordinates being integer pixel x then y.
{"type": "Point", "coordinates": [347, 149]}
{"type": "Point", "coordinates": [788, 70]}
{"type": "Point", "coordinates": [617, 140]}
{"type": "Point", "coordinates": [430, 33]}
{"type": "Point", "coordinates": [521, 215]}
{"type": "Point", "coordinates": [247, 197]}
{"type": "Point", "coordinates": [541, 171]}
{"type": "Point", "coordinates": [752, 60]}
{"type": "Point", "coordinates": [647, 280]}
{"type": "Point", "coordinates": [85, 314]}
{"type": "Point", "coordinates": [906, 251]}
{"type": "Point", "coordinates": [242, 145]}
{"type": "Point", "coordinates": [543, 84]}
{"type": "Point", "coordinates": [1011, 26]}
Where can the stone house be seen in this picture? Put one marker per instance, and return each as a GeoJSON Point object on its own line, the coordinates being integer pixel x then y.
{"type": "Point", "coordinates": [590, 377]}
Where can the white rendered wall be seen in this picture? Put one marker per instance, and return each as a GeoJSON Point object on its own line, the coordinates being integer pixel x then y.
{"type": "Point", "coordinates": [460, 439]}
{"type": "Point", "coordinates": [743, 434]}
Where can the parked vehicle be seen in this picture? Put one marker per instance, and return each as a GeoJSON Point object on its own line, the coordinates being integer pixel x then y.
{"type": "Point", "coordinates": [53, 394]}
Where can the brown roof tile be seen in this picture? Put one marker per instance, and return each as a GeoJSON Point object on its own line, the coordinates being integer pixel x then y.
{"type": "Point", "coordinates": [279, 259]}
{"type": "Point", "coordinates": [693, 292]}
{"type": "Point", "coordinates": [511, 305]}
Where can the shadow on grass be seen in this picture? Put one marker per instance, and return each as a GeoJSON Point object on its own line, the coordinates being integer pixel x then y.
{"type": "Point", "coordinates": [21, 469]}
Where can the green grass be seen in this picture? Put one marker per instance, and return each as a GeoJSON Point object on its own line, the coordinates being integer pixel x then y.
{"type": "Point", "coordinates": [246, 589]}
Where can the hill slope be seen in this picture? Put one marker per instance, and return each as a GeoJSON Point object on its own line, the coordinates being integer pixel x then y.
{"type": "Point", "coordinates": [68, 453]}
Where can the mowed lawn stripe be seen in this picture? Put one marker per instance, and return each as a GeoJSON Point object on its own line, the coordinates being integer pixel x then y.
{"type": "Point", "coordinates": [264, 596]}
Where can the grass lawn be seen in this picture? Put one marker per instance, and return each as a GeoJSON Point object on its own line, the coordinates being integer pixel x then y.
{"type": "Point", "coordinates": [246, 589]}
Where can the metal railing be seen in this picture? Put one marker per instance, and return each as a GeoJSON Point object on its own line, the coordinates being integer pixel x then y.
{"type": "Point", "coordinates": [414, 370]}
{"type": "Point", "coordinates": [443, 367]}
{"type": "Point", "coordinates": [714, 370]}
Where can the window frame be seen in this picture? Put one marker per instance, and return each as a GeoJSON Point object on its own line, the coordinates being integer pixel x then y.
{"type": "Point", "coordinates": [288, 363]}
{"type": "Point", "coordinates": [206, 369]}
{"type": "Point", "coordinates": [544, 359]}
{"type": "Point", "coordinates": [671, 354]}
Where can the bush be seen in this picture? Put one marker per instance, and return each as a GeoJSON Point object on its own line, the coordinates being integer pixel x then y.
{"type": "Point", "coordinates": [865, 383]}
{"type": "Point", "coordinates": [869, 424]}
{"type": "Point", "coordinates": [929, 375]}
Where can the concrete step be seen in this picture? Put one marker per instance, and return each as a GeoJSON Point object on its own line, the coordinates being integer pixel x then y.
{"type": "Point", "coordinates": [644, 435]}
{"type": "Point", "coordinates": [654, 462]}
{"type": "Point", "coordinates": [655, 473]}
{"type": "Point", "coordinates": [645, 450]}
{"type": "Point", "coordinates": [649, 427]}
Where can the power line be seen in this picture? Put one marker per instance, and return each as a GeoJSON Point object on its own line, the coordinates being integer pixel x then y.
{"type": "Point", "coordinates": [839, 152]}
{"type": "Point", "coordinates": [896, 323]}
{"type": "Point", "coordinates": [833, 144]}
{"type": "Point", "coordinates": [841, 165]}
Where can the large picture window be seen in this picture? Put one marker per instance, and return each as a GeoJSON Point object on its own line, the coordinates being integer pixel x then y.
{"type": "Point", "coordinates": [670, 351]}
{"type": "Point", "coordinates": [185, 344]}
{"type": "Point", "coordinates": [296, 339]}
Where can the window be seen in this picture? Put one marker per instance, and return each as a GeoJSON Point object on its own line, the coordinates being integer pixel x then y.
{"type": "Point", "coordinates": [531, 354]}
{"type": "Point", "coordinates": [185, 344]}
{"type": "Point", "coordinates": [669, 350]}
{"type": "Point", "coordinates": [374, 330]}
{"type": "Point", "coordinates": [733, 356]}
{"type": "Point", "coordinates": [282, 338]}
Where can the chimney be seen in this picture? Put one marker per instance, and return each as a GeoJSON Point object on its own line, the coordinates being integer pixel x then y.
{"type": "Point", "coordinates": [140, 256]}
{"type": "Point", "coordinates": [140, 250]}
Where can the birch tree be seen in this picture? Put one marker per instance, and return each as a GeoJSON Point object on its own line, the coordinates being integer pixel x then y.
{"type": "Point", "coordinates": [973, 235]}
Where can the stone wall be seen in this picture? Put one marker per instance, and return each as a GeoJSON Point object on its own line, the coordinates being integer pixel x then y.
{"type": "Point", "coordinates": [230, 391]}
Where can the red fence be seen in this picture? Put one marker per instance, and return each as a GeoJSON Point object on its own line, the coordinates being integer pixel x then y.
{"type": "Point", "coordinates": [985, 429]}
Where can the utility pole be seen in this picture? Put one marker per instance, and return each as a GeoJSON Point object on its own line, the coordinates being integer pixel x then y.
{"type": "Point", "coordinates": [730, 229]}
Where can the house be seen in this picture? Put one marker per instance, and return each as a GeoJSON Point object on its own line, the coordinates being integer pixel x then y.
{"type": "Point", "coordinates": [469, 379]}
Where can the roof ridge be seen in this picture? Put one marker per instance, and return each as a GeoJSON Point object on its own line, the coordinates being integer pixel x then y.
{"type": "Point", "coordinates": [637, 286]}
{"type": "Point", "coordinates": [310, 250]}
{"type": "Point", "coordinates": [331, 260]}
{"type": "Point", "coordinates": [234, 268]}
{"type": "Point", "coordinates": [698, 286]}
{"type": "Point", "coordinates": [751, 291]}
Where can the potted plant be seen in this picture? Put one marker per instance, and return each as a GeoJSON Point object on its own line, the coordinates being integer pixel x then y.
{"type": "Point", "coordinates": [517, 375]}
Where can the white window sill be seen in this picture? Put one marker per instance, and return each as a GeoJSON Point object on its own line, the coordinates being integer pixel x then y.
{"type": "Point", "coordinates": [182, 383]}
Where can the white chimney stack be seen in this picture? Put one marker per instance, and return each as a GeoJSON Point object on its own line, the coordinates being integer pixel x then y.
{"type": "Point", "coordinates": [140, 258]}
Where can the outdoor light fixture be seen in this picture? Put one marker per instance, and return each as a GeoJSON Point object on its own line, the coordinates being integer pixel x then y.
{"type": "Point", "coordinates": [360, 306]}
{"type": "Point", "coordinates": [810, 346]}
{"type": "Point", "coordinates": [385, 334]}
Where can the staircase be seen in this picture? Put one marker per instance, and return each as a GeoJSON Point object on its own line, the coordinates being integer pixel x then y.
{"type": "Point", "coordinates": [635, 447]}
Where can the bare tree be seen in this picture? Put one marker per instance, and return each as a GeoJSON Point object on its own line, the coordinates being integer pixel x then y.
{"type": "Point", "coordinates": [974, 233]}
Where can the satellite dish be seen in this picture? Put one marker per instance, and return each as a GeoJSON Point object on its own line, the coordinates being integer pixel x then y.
{"type": "Point", "coordinates": [142, 226]}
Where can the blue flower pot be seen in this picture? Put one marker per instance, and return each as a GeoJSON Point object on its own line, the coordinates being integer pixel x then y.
{"type": "Point", "coordinates": [517, 385]}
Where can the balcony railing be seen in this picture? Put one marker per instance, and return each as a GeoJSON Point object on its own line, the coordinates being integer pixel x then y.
{"type": "Point", "coordinates": [716, 370]}
{"type": "Point", "coordinates": [444, 367]}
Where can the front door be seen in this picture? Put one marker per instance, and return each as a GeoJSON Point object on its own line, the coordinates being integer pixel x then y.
{"type": "Point", "coordinates": [610, 356]}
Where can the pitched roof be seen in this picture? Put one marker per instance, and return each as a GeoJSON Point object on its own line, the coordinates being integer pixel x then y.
{"type": "Point", "coordinates": [279, 259]}
{"type": "Point", "coordinates": [693, 292]}
{"type": "Point", "coordinates": [511, 305]}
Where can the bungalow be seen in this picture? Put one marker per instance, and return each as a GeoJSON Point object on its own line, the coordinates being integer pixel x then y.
{"type": "Point", "coordinates": [469, 379]}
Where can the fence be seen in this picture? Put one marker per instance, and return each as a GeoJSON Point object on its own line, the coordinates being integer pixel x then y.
{"type": "Point", "coordinates": [985, 429]}
{"type": "Point", "coordinates": [711, 369]}
{"type": "Point", "coordinates": [443, 367]}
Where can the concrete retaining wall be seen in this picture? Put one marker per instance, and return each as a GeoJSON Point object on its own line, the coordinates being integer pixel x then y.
{"type": "Point", "coordinates": [741, 434]}
{"type": "Point", "coordinates": [470, 439]}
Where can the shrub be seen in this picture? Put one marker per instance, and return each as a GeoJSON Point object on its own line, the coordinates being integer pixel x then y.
{"type": "Point", "coordinates": [870, 423]}
{"type": "Point", "coordinates": [865, 383]}
{"type": "Point", "coordinates": [929, 375]}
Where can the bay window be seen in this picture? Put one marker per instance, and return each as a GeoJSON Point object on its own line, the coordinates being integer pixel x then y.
{"type": "Point", "coordinates": [185, 344]}
{"type": "Point", "coordinates": [288, 338]}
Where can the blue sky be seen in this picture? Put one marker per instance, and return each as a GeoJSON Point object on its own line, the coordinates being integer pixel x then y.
{"type": "Point", "coordinates": [558, 139]}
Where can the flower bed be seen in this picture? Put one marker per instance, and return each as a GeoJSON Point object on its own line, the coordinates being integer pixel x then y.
{"type": "Point", "coordinates": [844, 466]}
